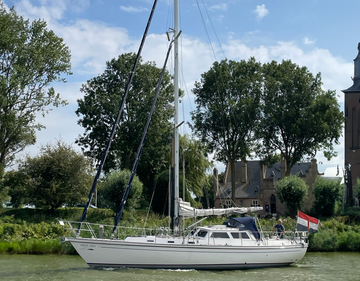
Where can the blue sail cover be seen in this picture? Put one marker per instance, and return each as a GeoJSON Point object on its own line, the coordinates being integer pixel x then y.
{"type": "Point", "coordinates": [243, 223]}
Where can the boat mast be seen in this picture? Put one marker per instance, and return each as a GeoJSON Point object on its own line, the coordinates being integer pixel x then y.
{"type": "Point", "coordinates": [176, 117]}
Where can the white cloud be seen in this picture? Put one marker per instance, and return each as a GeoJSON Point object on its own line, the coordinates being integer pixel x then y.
{"type": "Point", "coordinates": [94, 43]}
{"type": "Point", "coordinates": [261, 11]}
{"type": "Point", "coordinates": [132, 9]}
{"type": "Point", "coordinates": [307, 41]}
{"type": "Point", "coordinates": [51, 11]}
{"type": "Point", "coordinates": [6, 7]}
{"type": "Point", "coordinates": [222, 6]}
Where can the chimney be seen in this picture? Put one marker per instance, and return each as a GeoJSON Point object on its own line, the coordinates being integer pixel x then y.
{"type": "Point", "coordinates": [283, 167]}
{"type": "Point", "coordinates": [263, 169]}
{"type": "Point", "coordinates": [243, 172]}
{"type": "Point", "coordinates": [216, 182]}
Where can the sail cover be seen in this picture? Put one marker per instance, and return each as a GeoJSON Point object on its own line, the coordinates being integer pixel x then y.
{"type": "Point", "coordinates": [187, 211]}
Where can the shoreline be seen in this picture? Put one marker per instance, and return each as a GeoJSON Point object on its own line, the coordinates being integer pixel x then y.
{"type": "Point", "coordinates": [31, 231]}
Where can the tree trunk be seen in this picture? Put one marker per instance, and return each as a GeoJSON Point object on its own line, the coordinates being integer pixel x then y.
{"type": "Point", "coordinates": [206, 193]}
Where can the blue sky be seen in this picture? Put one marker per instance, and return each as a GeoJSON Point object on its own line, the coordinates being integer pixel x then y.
{"type": "Point", "coordinates": [319, 34]}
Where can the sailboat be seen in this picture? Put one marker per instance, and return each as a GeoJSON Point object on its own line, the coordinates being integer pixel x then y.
{"type": "Point", "coordinates": [235, 244]}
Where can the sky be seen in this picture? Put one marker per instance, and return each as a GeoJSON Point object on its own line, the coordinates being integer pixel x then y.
{"type": "Point", "coordinates": [319, 34]}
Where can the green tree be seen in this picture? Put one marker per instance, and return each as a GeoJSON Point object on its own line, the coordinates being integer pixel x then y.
{"type": "Point", "coordinates": [326, 193]}
{"type": "Point", "coordinates": [16, 182]}
{"type": "Point", "coordinates": [58, 176]}
{"type": "Point", "coordinates": [196, 165]}
{"type": "Point", "coordinates": [298, 118]}
{"type": "Point", "coordinates": [114, 187]}
{"type": "Point", "coordinates": [3, 193]}
{"type": "Point", "coordinates": [207, 201]}
{"type": "Point", "coordinates": [227, 106]}
{"type": "Point", "coordinates": [292, 191]}
{"type": "Point", "coordinates": [98, 110]}
{"type": "Point", "coordinates": [31, 57]}
{"type": "Point", "coordinates": [357, 189]}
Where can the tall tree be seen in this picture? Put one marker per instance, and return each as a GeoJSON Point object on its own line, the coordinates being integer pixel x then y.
{"type": "Point", "coordinates": [99, 107]}
{"type": "Point", "coordinates": [298, 118]}
{"type": "Point", "coordinates": [59, 175]}
{"type": "Point", "coordinates": [31, 57]}
{"type": "Point", "coordinates": [227, 107]}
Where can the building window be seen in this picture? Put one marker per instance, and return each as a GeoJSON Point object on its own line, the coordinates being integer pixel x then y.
{"type": "Point", "coordinates": [255, 203]}
{"type": "Point", "coordinates": [273, 204]}
{"type": "Point", "coordinates": [227, 203]}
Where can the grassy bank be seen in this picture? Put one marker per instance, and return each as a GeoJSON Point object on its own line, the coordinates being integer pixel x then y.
{"type": "Point", "coordinates": [30, 231]}
{"type": "Point", "coordinates": [36, 246]}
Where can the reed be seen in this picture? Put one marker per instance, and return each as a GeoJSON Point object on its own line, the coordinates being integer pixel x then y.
{"type": "Point", "coordinates": [36, 246]}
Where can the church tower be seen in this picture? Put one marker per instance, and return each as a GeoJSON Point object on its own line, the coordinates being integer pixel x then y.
{"type": "Point", "coordinates": [352, 123]}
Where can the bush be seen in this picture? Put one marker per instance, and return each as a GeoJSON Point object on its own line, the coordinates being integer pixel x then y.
{"type": "Point", "coordinates": [324, 241]}
{"type": "Point", "coordinates": [292, 190]}
{"type": "Point", "coordinates": [114, 188]}
{"type": "Point", "coordinates": [326, 193]}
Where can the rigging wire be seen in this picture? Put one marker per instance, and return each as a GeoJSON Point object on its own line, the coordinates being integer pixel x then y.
{"type": "Point", "coordinates": [215, 33]}
{"type": "Point", "coordinates": [218, 81]}
{"type": "Point", "coordinates": [117, 120]}
{"type": "Point", "coordinates": [126, 193]}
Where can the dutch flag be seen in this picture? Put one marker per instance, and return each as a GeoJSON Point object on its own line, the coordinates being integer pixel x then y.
{"type": "Point", "coordinates": [307, 223]}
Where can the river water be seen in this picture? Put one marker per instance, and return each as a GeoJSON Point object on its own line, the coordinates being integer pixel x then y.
{"type": "Point", "coordinates": [314, 266]}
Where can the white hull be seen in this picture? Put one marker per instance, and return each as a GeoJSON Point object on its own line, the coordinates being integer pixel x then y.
{"type": "Point", "coordinates": [121, 253]}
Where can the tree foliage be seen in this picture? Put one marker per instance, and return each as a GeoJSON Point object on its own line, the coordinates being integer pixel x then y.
{"type": "Point", "coordinates": [3, 193]}
{"type": "Point", "coordinates": [357, 189]}
{"type": "Point", "coordinates": [114, 187]}
{"type": "Point", "coordinates": [298, 118]}
{"type": "Point", "coordinates": [31, 57]}
{"type": "Point", "coordinates": [292, 191]}
{"type": "Point", "coordinates": [58, 176]}
{"type": "Point", "coordinates": [326, 193]}
{"type": "Point", "coordinates": [227, 107]}
{"type": "Point", "coordinates": [98, 110]}
{"type": "Point", "coordinates": [196, 165]}
{"type": "Point", "coordinates": [207, 200]}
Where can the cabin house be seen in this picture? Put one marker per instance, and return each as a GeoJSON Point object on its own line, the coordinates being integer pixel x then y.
{"type": "Point", "coordinates": [255, 185]}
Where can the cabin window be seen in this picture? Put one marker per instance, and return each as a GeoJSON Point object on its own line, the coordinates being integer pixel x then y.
{"type": "Point", "coordinates": [244, 235]}
{"type": "Point", "coordinates": [202, 233]}
{"type": "Point", "coordinates": [219, 235]}
{"type": "Point", "coordinates": [238, 235]}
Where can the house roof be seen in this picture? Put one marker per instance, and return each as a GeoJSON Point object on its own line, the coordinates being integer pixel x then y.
{"type": "Point", "coordinates": [252, 188]}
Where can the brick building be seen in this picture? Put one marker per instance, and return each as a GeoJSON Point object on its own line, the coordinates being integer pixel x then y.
{"type": "Point", "coordinates": [254, 185]}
